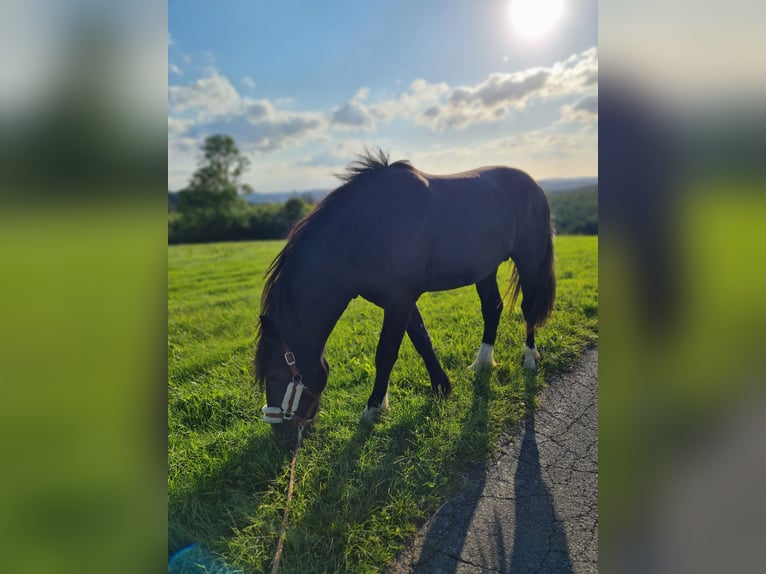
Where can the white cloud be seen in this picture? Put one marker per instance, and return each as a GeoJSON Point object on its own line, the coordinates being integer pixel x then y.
{"type": "Point", "coordinates": [576, 73]}
{"type": "Point", "coordinates": [210, 96]}
{"type": "Point", "coordinates": [416, 98]}
{"type": "Point", "coordinates": [268, 128]}
{"type": "Point", "coordinates": [583, 110]}
{"type": "Point", "coordinates": [354, 114]}
{"type": "Point", "coordinates": [177, 127]}
{"type": "Point", "coordinates": [248, 82]}
{"type": "Point", "coordinates": [175, 70]}
{"type": "Point", "coordinates": [258, 126]}
{"type": "Point", "coordinates": [501, 88]}
{"type": "Point", "coordinates": [281, 129]}
{"type": "Point", "coordinates": [502, 93]}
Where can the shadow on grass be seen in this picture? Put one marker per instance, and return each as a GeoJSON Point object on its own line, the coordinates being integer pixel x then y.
{"type": "Point", "coordinates": [353, 486]}
{"type": "Point", "coordinates": [369, 484]}
{"type": "Point", "coordinates": [448, 528]}
{"type": "Point", "coordinates": [214, 506]}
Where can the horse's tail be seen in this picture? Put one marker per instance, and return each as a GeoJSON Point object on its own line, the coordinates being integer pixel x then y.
{"type": "Point", "coordinates": [545, 293]}
{"type": "Point", "coordinates": [541, 293]}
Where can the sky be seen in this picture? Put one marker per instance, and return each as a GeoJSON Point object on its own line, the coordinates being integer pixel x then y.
{"type": "Point", "coordinates": [303, 87]}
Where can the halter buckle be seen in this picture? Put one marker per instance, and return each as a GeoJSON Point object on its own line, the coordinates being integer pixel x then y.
{"type": "Point", "coordinates": [289, 358]}
{"type": "Point", "coordinates": [272, 415]}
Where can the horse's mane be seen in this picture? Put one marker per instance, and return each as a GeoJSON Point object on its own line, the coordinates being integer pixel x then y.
{"type": "Point", "coordinates": [273, 297]}
{"type": "Point", "coordinates": [367, 162]}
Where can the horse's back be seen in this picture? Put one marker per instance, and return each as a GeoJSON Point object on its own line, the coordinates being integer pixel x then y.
{"type": "Point", "coordinates": [482, 180]}
{"type": "Point", "coordinates": [402, 226]}
{"type": "Point", "coordinates": [474, 222]}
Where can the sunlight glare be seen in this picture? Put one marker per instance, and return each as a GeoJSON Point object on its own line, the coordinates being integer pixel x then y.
{"type": "Point", "coordinates": [533, 18]}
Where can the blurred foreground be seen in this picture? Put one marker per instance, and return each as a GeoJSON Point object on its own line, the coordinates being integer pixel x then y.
{"type": "Point", "coordinates": [682, 405]}
{"type": "Point", "coordinates": [82, 297]}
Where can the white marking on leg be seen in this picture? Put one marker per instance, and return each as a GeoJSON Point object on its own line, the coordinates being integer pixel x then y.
{"type": "Point", "coordinates": [530, 356]}
{"type": "Point", "coordinates": [485, 358]}
{"type": "Point", "coordinates": [372, 414]}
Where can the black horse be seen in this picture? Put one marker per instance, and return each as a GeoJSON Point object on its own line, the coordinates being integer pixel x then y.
{"type": "Point", "coordinates": [389, 234]}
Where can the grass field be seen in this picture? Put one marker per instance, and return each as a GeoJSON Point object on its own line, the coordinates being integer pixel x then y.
{"type": "Point", "coordinates": [361, 489]}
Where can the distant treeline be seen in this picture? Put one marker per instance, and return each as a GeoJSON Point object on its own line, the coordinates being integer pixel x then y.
{"type": "Point", "coordinates": [575, 212]}
{"type": "Point", "coordinates": [199, 220]}
{"type": "Point", "coordinates": [201, 217]}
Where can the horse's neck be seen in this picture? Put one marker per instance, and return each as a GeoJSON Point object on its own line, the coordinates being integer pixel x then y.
{"type": "Point", "coordinates": [313, 312]}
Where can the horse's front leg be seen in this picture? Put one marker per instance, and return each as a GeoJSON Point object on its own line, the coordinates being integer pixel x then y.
{"type": "Point", "coordinates": [395, 320]}
{"type": "Point", "coordinates": [421, 339]}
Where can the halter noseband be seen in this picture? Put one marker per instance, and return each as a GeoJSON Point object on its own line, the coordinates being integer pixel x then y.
{"type": "Point", "coordinates": [292, 398]}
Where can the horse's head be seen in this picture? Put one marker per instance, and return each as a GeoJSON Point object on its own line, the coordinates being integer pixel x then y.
{"type": "Point", "coordinates": [293, 384]}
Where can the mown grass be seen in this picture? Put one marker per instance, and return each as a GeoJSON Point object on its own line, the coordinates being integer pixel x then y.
{"type": "Point", "coordinates": [361, 489]}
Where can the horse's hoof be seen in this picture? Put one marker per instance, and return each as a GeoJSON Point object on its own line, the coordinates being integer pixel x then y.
{"type": "Point", "coordinates": [485, 358]}
{"type": "Point", "coordinates": [442, 390]}
{"type": "Point", "coordinates": [372, 414]}
{"type": "Point", "coordinates": [530, 358]}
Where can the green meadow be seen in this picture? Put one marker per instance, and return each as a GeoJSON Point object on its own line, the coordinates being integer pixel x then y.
{"type": "Point", "coordinates": [361, 489]}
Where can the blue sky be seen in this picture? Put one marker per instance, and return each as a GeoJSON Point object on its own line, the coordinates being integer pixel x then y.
{"type": "Point", "coordinates": [450, 85]}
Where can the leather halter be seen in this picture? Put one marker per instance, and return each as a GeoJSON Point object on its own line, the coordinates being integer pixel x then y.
{"type": "Point", "coordinates": [292, 397]}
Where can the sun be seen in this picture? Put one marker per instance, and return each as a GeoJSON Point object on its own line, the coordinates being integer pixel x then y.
{"type": "Point", "coordinates": [534, 18]}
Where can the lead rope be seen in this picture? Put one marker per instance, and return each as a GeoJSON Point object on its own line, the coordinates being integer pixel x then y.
{"type": "Point", "coordinates": [283, 532]}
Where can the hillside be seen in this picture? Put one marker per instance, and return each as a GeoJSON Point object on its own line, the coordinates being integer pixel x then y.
{"type": "Point", "coordinates": [559, 184]}
{"type": "Point", "coordinates": [551, 186]}
{"type": "Point", "coordinates": [575, 212]}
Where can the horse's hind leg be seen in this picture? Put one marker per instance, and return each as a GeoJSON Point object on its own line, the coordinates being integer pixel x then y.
{"type": "Point", "coordinates": [535, 266]}
{"type": "Point", "coordinates": [531, 355]}
{"type": "Point", "coordinates": [529, 292]}
{"type": "Point", "coordinates": [416, 329]}
{"type": "Point", "coordinates": [491, 309]}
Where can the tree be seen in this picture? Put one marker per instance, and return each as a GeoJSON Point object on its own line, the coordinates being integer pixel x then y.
{"type": "Point", "coordinates": [294, 209]}
{"type": "Point", "coordinates": [220, 166]}
{"type": "Point", "coordinates": [210, 206]}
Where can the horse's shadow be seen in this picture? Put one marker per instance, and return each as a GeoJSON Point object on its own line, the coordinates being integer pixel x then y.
{"type": "Point", "coordinates": [216, 505]}
{"type": "Point", "coordinates": [356, 477]}
{"type": "Point", "coordinates": [538, 544]}
{"type": "Point", "coordinates": [448, 528]}
{"type": "Point", "coordinates": [226, 496]}
{"type": "Point", "coordinates": [213, 508]}
{"type": "Point", "coordinates": [539, 541]}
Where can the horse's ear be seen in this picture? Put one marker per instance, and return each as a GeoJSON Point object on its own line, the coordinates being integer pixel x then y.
{"type": "Point", "coordinates": [269, 328]}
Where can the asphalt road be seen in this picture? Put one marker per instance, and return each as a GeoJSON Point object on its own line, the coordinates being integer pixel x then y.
{"type": "Point", "coordinates": [533, 507]}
